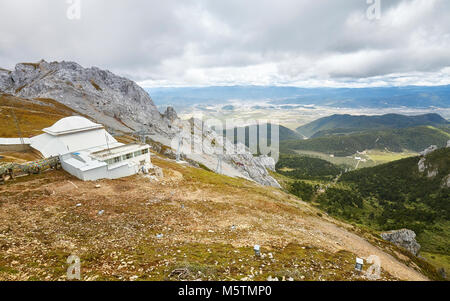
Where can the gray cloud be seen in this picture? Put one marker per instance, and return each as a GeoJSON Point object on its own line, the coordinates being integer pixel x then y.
{"type": "Point", "coordinates": [298, 42]}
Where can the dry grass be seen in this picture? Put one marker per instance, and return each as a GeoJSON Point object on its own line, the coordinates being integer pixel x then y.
{"type": "Point", "coordinates": [31, 115]}
{"type": "Point", "coordinates": [19, 157]}
{"type": "Point", "coordinates": [95, 85]}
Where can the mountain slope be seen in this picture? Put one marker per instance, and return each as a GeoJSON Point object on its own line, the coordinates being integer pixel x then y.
{"type": "Point", "coordinates": [209, 225]}
{"type": "Point", "coordinates": [394, 140]}
{"type": "Point", "coordinates": [344, 124]}
{"type": "Point", "coordinates": [402, 195]}
{"type": "Point", "coordinates": [412, 193]}
{"type": "Point", "coordinates": [32, 115]}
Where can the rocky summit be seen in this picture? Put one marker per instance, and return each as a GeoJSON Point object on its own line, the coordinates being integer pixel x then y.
{"type": "Point", "coordinates": [122, 105]}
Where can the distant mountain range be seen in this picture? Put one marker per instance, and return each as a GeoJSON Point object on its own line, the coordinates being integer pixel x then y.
{"type": "Point", "coordinates": [394, 140]}
{"type": "Point", "coordinates": [347, 124]}
{"type": "Point", "coordinates": [344, 135]}
{"type": "Point", "coordinates": [383, 97]}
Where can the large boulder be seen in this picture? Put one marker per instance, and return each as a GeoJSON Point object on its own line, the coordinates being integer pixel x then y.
{"type": "Point", "coordinates": [422, 166]}
{"type": "Point", "coordinates": [403, 238]}
{"type": "Point", "coordinates": [170, 114]}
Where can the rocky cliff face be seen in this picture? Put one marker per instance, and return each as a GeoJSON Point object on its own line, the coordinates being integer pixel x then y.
{"type": "Point", "coordinates": [403, 238]}
{"type": "Point", "coordinates": [5, 79]}
{"type": "Point", "coordinates": [122, 105]}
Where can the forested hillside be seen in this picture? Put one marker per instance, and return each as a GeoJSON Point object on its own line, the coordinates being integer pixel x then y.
{"type": "Point", "coordinates": [398, 195]}
{"type": "Point", "coordinates": [337, 124]}
{"type": "Point", "coordinates": [302, 167]}
{"type": "Point", "coordinates": [394, 140]}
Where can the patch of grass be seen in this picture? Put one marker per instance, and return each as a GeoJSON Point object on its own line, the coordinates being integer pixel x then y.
{"type": "Point", "coordinates": [7, 270]}
{"type": "Point", "coordinates": [381, 157]}
{"type": "Point", "coordinates": [34, 65]}
{"type": "Point", "coordinates": [32, 116]}
{"type": "Point", "coordinates": [204, 167]}
{"type": "Point", "coordinates": [95, 85]}
{"type": "Point", "coordinates": [225, 262]}
{"type": "Point", "coordinates": [438, 260]}
{"type": "Point", "coordinates": [201, 175]}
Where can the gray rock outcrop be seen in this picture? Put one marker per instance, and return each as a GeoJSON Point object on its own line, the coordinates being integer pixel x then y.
{"type": "Point", "coordinates": [432, 173]}
{"type": "Point", "coordinates": [429, 150]}
{"type": "Point", "coordinates": [448, 143]}
{"type": "Point", "coordinates": [170, 114]}
{"type": "Point", "coordinates": [5, 79]}
{"type": "Point", "coordinates": [422, 165]}
{"type": "Point", "coordinates": [446, 182]}
{"type": "Point", "coordinates": [403, 238]}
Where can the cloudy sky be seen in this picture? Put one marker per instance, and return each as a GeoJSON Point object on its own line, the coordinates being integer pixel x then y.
{"type": "Point", "coordinates": [228, 42]}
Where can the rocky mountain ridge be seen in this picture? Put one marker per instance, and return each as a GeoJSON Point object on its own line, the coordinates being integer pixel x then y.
{"type": "Point", "coordinates": [115, 101]}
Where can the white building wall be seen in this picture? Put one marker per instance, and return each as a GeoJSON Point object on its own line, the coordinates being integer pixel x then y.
{"type": "Point", "coordinates": [103, 171]}
{"type": "Point", "coordinates": [125, 170]}
{"type": "Point", "coordinates": [142, 158]}
{"type": "Point", "coordinates": [49, 145]}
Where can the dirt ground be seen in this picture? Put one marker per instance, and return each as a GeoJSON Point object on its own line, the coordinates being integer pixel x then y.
{"type": "Point", "coordinates": [202, 224]}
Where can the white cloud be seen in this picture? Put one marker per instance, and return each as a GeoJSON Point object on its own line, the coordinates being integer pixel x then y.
{"type": "Point", "coordinates": [202, 42]}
